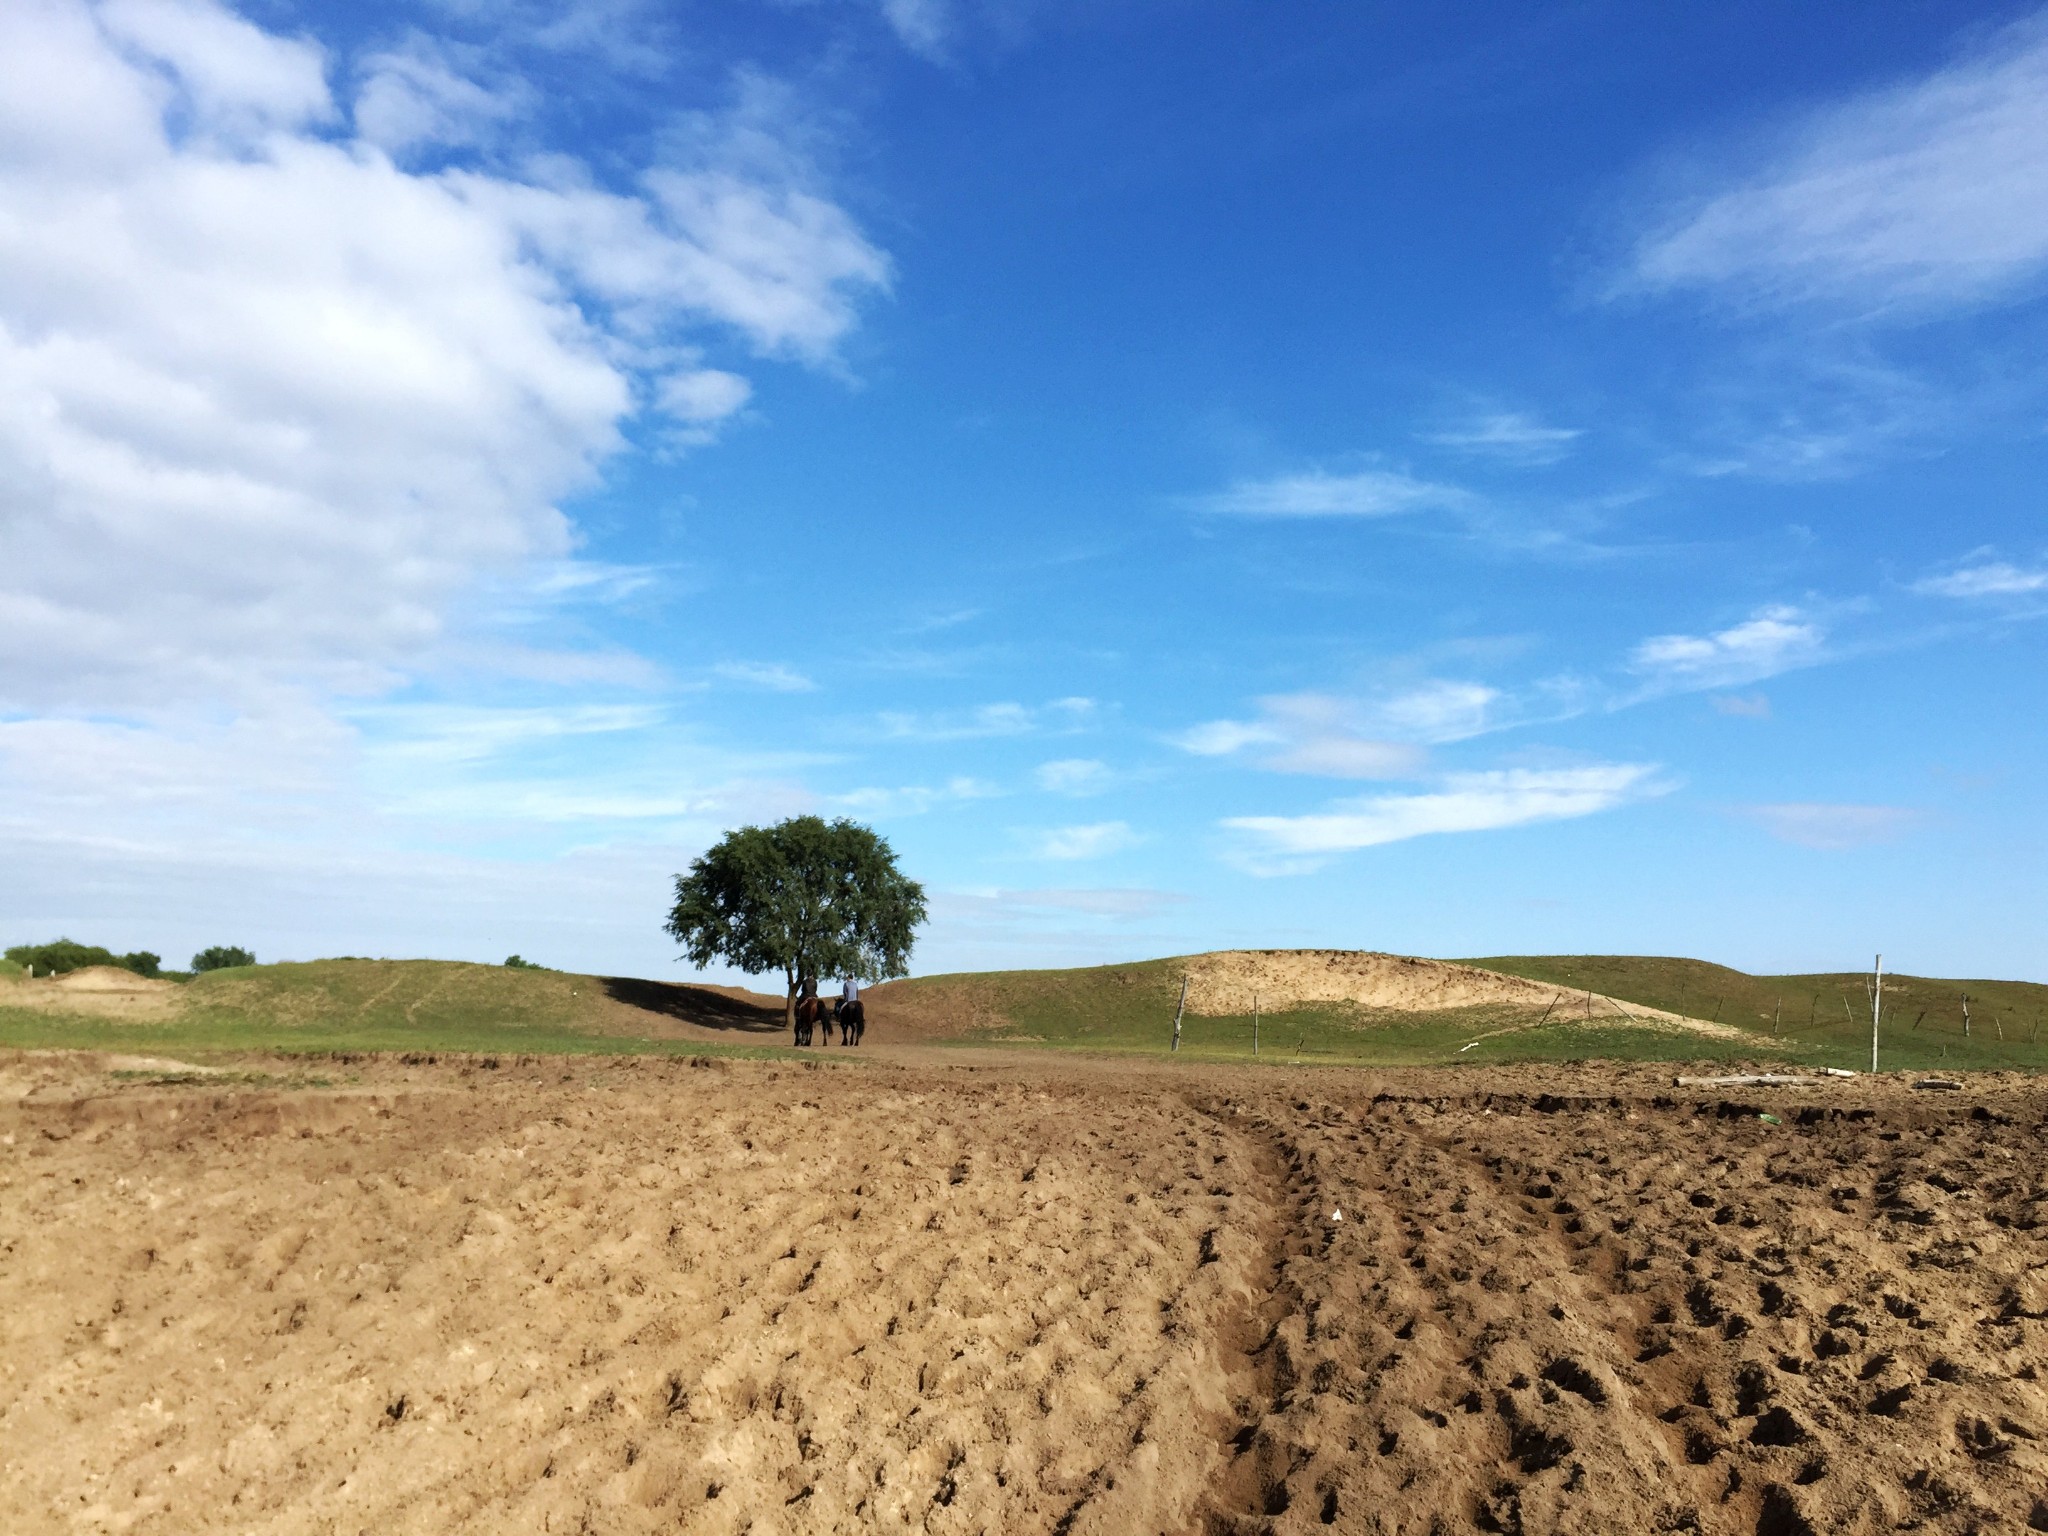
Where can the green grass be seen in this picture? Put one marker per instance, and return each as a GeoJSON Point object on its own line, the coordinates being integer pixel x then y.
{"type": "Point", "coordinates": [10, 968]}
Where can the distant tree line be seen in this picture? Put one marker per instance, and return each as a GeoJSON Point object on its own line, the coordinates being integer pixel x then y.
{"type": "Point", "coordinates": [65, 955]}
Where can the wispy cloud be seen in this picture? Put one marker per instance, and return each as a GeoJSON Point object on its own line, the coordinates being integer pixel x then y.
{"type": "Point", "coordinates": [1120, 902]}
{"type": "Point", "coordinates": [1511, 437]}
{"type": "Point", "coordinates": [1987, 578]}
{"type": "Point", "coordinates": [1093, 840]}
{"type": "Point", "coordinates": [1832, 827]}
{"type": "Point", "coordinates": [1005, 719]}
{"type": "Point", "coordinates": [771, 675]}
{"type": "Point", "coordinates": [915, 799]}
{"type": "Point", "coordinates": [1314, 493]}
{"type": "Point", "coordinates": [1333, 736]}
{"type": "Point", "coordinates": [1921, 194]}
{"type": "Point", "coordinates": [1748, 706]}
{"type": "Point", "coordinates": [1074, 776]}
{"type": "Point", "coordinates": [471, 733]}
{"type": "Point", "coordinates": [1467, 802]}
{"type": "Point", "coordinates": [1774, 640]}
{"type": "Point", "coordinates": [922, 26]}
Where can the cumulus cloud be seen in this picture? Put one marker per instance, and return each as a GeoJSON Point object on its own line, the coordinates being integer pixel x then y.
{"type": "Point", "coordinates": [1928, 192]}
{"type": "Point", "coordinates": [1774, 640]}
{"type": "Point", "coordinates": [1467, 802]}
{"type": "Point", "coordinates": [1094, 840]}
{"type": "Point", "coordinates": [269, 402]}
{"type": "Point", "coordinates": [1987, 578]}
{"type": "Point", "coordinates": [1369, 493]}
{"type": "Point", "coordinates": [1832, 827]}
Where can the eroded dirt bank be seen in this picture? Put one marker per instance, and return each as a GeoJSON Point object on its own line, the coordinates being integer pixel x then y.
{"type": "Point", "coordinates": [1053, 1296]}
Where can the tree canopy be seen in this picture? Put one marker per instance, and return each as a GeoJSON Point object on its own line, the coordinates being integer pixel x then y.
{"type": "Point", "coordinates": [806, 897]}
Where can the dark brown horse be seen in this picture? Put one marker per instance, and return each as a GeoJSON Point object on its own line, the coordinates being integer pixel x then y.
{"type": "Point", "coordinates": [813, 1014]}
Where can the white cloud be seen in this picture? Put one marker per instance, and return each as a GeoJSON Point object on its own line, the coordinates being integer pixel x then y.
{"type": "Point", "coordinates": [921, 25]}
{"type": "Point", "coordinates": [990, 720]}
{"type": "Point", "coordinates": [1437, 711]}
{"type": "Point", "coordinates": [1221, 738]}
{"type": "Point", "coordinates": [1344, 738]}
{"type": "Point", "coordinates": [1467, 802]}
{"type": "Point", "coordinates": [416, 97]}
{"type": "Point", "coordinates": [453, 733]}
{"type": "Point", "coordinates": [915, 799]}
{"type": "Point", "coordinates": [1074, 776]}
{"type": "Point", "coordinates": [1774, 640]}
{"type": "Point", "coordinates": [236, 79]}
{"type": "Point", "coordinates": [702, 395]}
{"type": "Point", "coordinates": [1512, 437]}
{"type": "Point", "coordinates": [269, 404]}
{"type": "Point", "coordinates": [771, 675]}
{"type": "Point", "coordinates": [1369, 493]}
{"type": "Point", "coordinates": [1093, 841]}
{"type": "Point", "coordinates": [1930, 192]}
{"type": "Point", "coordinates": [1832, 827]}
{"type": "Point", "coordinates": [1990, 578]}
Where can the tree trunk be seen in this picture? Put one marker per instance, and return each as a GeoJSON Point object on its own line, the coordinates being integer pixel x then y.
{"type": "Point", "coordinates": [789, 1003]}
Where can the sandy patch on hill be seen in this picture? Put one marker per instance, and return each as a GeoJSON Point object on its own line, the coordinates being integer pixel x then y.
{"type": "Point", "coordinates": [103, 991]}
{"type": "Point", "coordinates": [641, 1296]}
{"type": "Point", "coordinates": [1229, 982]}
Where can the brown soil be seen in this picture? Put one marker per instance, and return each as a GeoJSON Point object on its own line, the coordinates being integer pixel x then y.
{"type": "Point", "coordinates": [1043, 1296]}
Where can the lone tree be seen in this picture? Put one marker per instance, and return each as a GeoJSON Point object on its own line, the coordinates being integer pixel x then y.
{"type": "Point", "coordinates": [806, 897]}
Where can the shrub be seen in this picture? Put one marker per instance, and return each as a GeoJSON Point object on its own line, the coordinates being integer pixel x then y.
{"type": "Point", "coordinates": [514, 963]}
{"type": "Point", "coordinates": [221, 957]}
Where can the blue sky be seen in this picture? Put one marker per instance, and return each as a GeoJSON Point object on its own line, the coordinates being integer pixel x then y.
{"type": "Point", "coordinates": [1461, 480]}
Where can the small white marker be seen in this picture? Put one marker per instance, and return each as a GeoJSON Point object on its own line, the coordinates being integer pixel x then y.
{"type": "Point", "coordinates": [1336, 1215]}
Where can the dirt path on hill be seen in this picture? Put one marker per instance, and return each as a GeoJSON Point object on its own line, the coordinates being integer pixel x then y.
{"type": "Point", "coordinates": [1018, 1295]}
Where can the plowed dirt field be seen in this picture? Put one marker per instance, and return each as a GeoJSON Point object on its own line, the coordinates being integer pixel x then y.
{"type": "Point", "coordinates": [1015, 1295]}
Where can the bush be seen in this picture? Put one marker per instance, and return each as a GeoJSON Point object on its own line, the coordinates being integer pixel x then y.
{"type": "Point", "coordinates": [221, 957]}
{"type": "Point", "coordinates": [514, 963]}
{"type": "Point", "coordinates": [64, 955]}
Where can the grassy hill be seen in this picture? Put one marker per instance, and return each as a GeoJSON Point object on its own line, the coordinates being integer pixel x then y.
{"type": "Point", "coordinates": [1128, 1009]}
{"type": "Point", "coordinates": [1923, 1021]}
{"type": "Point", "coordinates": [397, 1005]}
{"type": "Point", "coordinates": [425, 1005]}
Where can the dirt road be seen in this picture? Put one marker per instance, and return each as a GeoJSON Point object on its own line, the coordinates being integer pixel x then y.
{"type": "Point", "coordinates": [1022, 1296]}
